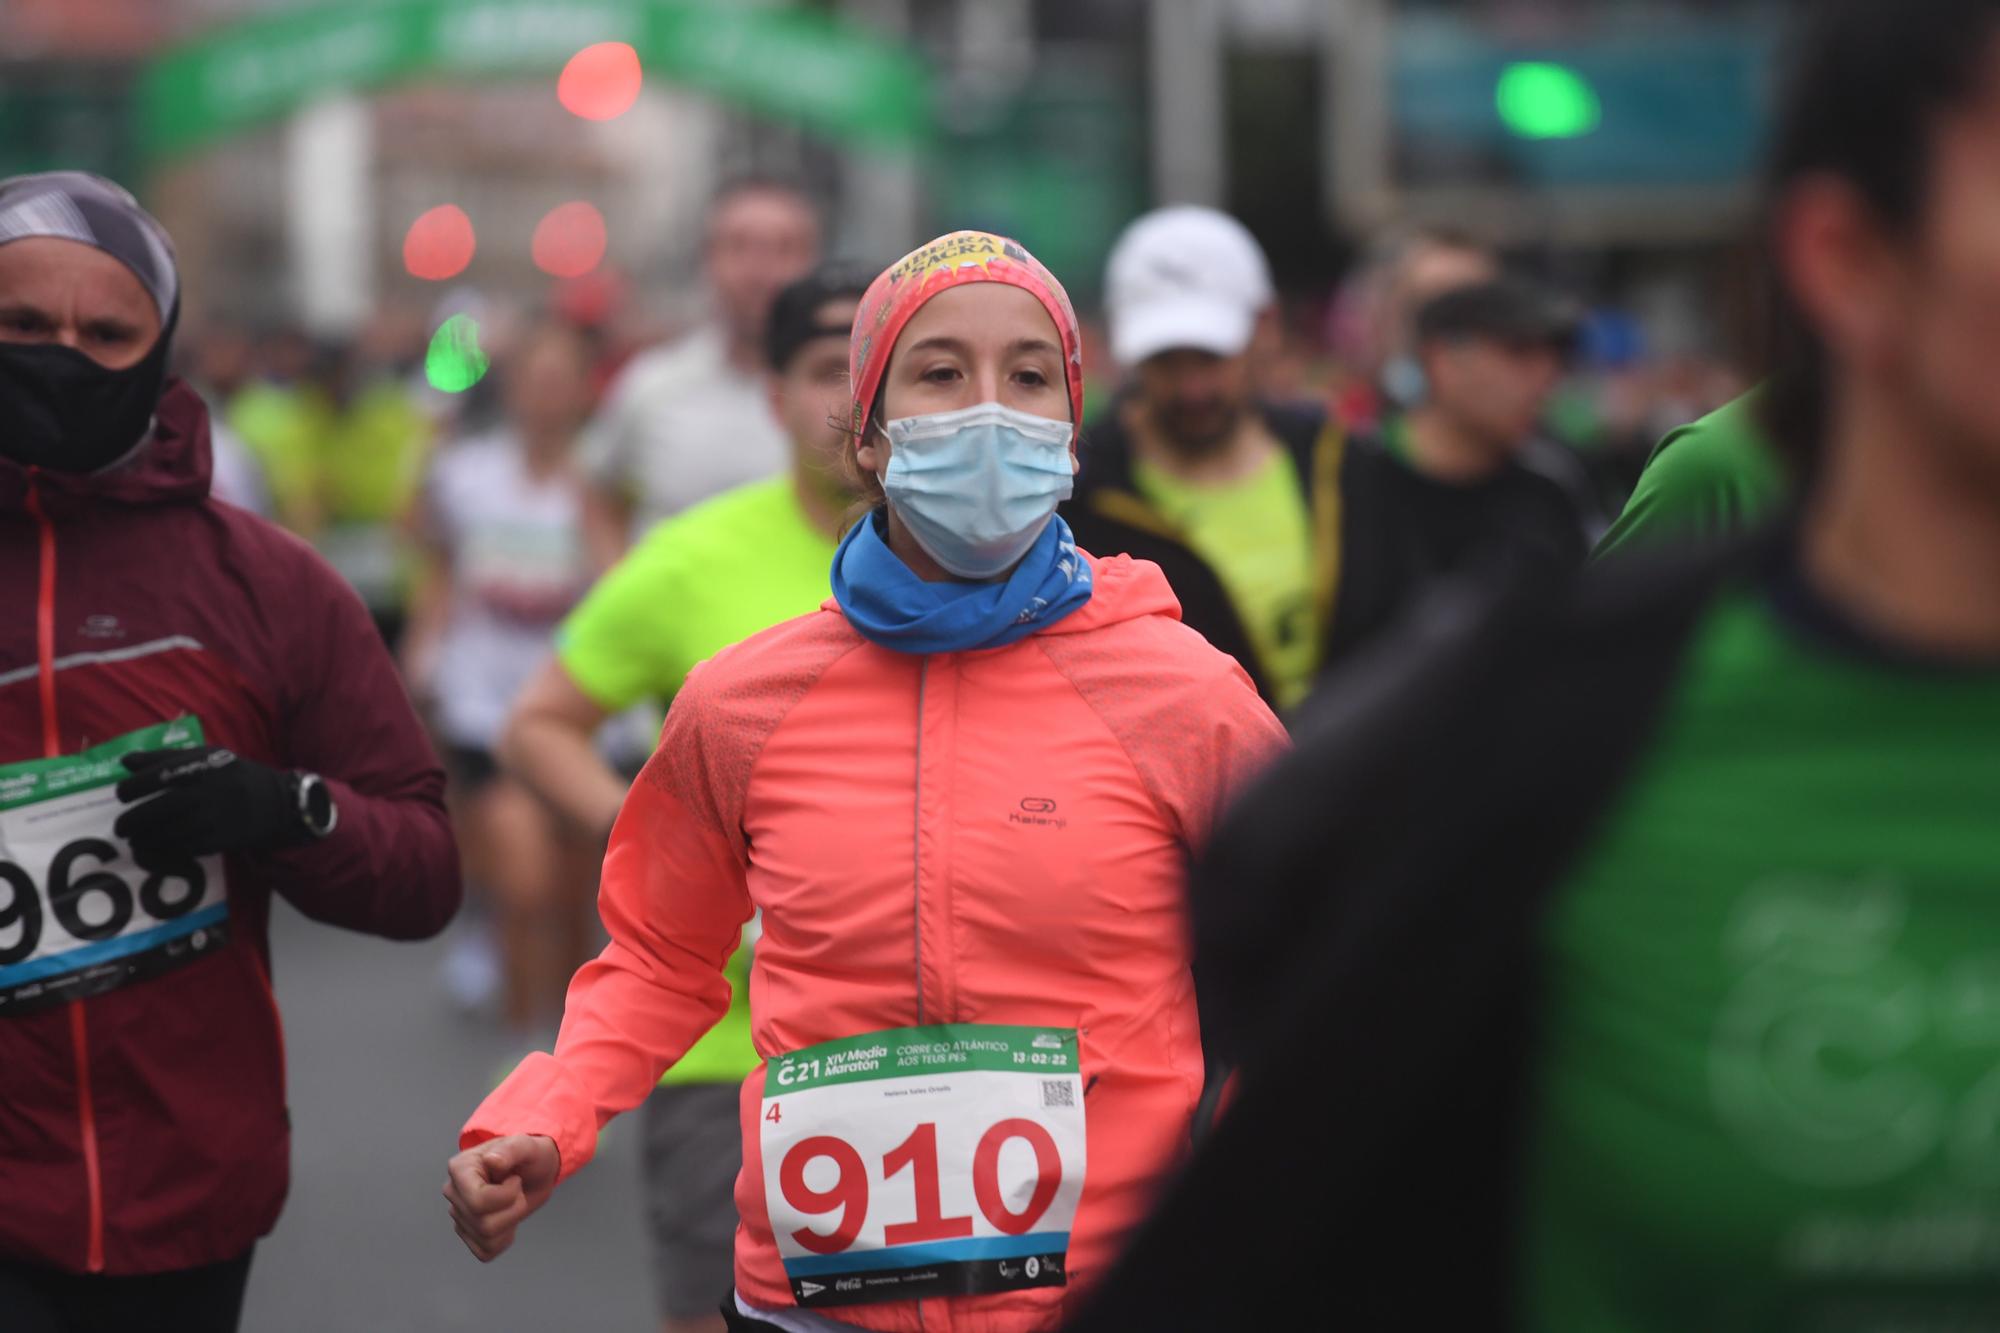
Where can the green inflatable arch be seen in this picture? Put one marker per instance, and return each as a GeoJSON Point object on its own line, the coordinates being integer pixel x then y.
{"type": "Point", "coordinates": [798, 65]}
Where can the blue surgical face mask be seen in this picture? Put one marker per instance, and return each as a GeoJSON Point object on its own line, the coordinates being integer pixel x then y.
{"type": "Point", "coordinates": [976, 487]}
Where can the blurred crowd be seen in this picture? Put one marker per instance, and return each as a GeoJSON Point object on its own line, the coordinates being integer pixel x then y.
{"type": "Point", "coordinates": [472, 519]}
{"type": "Point", "coordinates": [335, 438]}
{"type": "Point", "coordinates": [1443, 814]}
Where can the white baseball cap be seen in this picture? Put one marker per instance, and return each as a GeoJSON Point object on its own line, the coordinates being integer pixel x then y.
{"type": "Point", "coordinates": [1185, 276]}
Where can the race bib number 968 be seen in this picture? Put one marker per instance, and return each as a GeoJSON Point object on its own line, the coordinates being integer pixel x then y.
{"type": "Point", "coordinates": [933, 1161]}
{"type": "Point", "coordinates": [77, 916]}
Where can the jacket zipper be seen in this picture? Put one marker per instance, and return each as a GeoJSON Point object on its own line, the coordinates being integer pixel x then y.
{"type": "Point", "coordinates": [917, 837]}
{"type": "Point", "coordinates": [79, 1027]}
{"type": "Point", "coordinates": [917, 863]}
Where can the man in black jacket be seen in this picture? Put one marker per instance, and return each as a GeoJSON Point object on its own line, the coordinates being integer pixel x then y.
{"type": "Point", "coordinates": [1628, 962]}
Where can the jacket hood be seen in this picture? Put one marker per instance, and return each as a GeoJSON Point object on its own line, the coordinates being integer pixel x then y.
{"type": "Point", "coordinates": [1121, 589]}
{"type": "Point", "coordinates": [173, 463]}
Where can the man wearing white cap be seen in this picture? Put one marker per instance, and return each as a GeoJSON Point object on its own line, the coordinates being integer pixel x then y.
{"type": "Point", "coordinates": [1190, 471]}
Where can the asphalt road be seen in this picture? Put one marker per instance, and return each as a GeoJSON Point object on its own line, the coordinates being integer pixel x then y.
{"type": "Point", "coordinates": [382, 1074]}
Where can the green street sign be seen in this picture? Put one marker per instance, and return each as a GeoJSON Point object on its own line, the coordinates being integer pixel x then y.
{"type": "Point", "coordinates": [799, 65]}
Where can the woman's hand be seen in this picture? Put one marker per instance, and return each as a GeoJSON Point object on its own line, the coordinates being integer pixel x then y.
{"type": "Point", "coordinates": [492, 1187]}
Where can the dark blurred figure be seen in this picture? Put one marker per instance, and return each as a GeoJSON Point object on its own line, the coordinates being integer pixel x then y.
{"type": "Point", "coordinates": [1627, 962]}
{"type": "Point", "coordinates": [1404, 272]}
{"type": "Point", "coordinates": [1190, 468]}
{"type": "Point", "coordinates": [1442, 486]}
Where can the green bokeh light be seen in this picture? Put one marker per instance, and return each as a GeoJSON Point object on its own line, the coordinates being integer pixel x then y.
{"type": "Point", "coordinates": [1539, 100]}
{"type": "Point", "coordinates": [455, 362]}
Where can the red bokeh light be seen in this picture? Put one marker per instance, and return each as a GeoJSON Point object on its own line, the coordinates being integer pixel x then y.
{"type": "Point", "coordinates": [439, 244]}
{"type": "Point", "coordinates": [570, 240]}
{"type": "Point", "coordinates": [601, 81]}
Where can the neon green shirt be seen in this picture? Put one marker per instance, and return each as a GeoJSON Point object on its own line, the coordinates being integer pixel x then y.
{"type": "Point", "coordinates": [702, 580]}
{"type": "Point", "coordinates": [1257, 535]}
{"type": "Point", "coordinates": [282, 426]}
{"type": "Point", "coordinates": [1771, 1064]}
{"type": "Point", "coordinates": [1716, 476]}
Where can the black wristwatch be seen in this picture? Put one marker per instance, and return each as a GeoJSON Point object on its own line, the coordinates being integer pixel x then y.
{"type": "Point", "coordinates": [316, 808]}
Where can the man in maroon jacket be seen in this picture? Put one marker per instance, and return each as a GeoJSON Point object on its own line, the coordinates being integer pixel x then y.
{"type": "Point", "coordinates": [195, 713]}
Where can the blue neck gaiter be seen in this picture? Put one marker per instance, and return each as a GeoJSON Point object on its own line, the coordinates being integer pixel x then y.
{"type": "Point", "coordinates": [891, 606]}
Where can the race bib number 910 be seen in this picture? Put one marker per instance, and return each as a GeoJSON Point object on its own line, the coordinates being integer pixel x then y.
{"type": "Point", "coordinates": [931, 1161]}
{"type": "Point", "coordinates": [77, 916]}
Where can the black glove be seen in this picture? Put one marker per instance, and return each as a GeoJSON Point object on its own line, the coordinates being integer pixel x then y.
{"type": "Point", "coordinates": [202, 801]}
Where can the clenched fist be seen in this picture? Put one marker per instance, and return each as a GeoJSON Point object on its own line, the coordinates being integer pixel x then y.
{"type": "Point", "coordinates": [493, 1187]}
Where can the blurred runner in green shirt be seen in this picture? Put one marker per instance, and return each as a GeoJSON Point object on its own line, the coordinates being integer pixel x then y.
{"type": "Point", "coordinates": [344, 442]}
{"type": "Point", "coordinates": [1711, 478]}
{"type": "Point", "coordinates": [1681, 1007]}
{"type": "Point", "coordinates": [684, 593]}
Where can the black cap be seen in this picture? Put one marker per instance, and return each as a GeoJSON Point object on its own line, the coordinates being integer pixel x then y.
{"type": "Point", "coordinates": [1509, 309]}
{"type": "Point", "coordinates": [795, 320]}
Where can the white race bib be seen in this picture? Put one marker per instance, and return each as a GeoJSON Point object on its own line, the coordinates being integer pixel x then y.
{"type": "Point", "coordinates": [933, 1161]}
{"type": "Point", "coordinates": [77, 917]}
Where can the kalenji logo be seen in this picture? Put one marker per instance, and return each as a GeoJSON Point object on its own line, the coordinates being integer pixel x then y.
{"type": "Point", "coordinates": [1039, 811]}
{"type": "Point", "coordinates": [102, 627]}
{"type": "Point", "coordinates": [809, 1288]}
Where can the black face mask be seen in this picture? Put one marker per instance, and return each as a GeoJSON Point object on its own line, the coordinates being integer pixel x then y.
{"type": "Point", "coordinates": [62, 411]}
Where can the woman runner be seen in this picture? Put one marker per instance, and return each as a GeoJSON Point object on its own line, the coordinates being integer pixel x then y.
{"type": "Point", "coordinates": [961, 794]}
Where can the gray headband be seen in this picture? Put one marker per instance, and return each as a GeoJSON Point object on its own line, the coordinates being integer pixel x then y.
{"type": "Point", "coordinates": [76, 206]}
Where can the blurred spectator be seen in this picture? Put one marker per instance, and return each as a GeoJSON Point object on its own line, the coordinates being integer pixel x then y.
{"type": "Point", "coordinates": [685, 421]}
{"type": "Point", "coordinates": [501, 533]}
{"type": "Point", "coordinates": [1189, 469]}
{"type": "Point", "coordinates": [1441, 487]}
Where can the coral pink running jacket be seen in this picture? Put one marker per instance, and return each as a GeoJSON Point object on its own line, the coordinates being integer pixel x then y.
{"type": "Point", "coordinates": [994, 836]}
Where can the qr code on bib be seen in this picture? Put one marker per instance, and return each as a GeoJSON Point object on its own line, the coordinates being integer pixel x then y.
{"type": "Point", "coordinates": [1058, 1092]}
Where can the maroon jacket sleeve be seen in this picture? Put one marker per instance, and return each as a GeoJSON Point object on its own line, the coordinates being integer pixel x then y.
{"type": "Point", "coordinates": [390, 867]}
